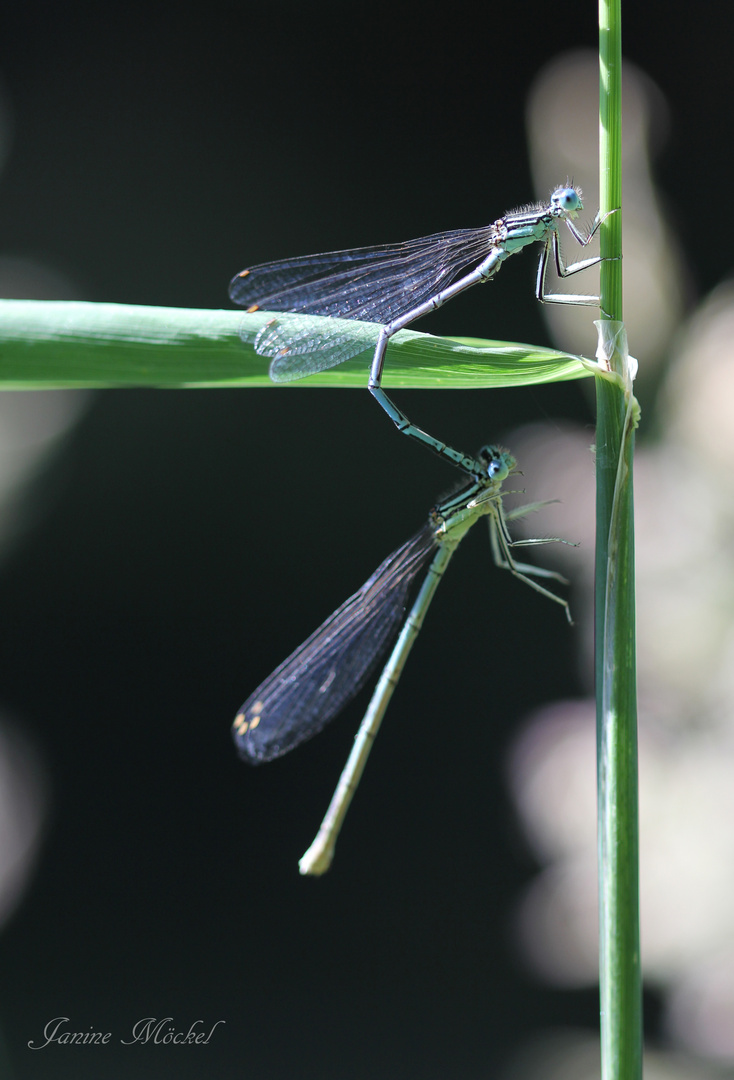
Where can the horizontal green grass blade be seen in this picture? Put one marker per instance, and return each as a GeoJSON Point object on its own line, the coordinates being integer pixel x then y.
{"type": "Point", "coordinates": [64, 344]}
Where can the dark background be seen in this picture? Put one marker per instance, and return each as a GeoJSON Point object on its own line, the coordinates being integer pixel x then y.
{"type": "Point", "coordinates": [190, 539]}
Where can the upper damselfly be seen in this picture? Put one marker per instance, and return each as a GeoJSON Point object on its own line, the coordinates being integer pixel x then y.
{"type": "Point", "coordinates": [312, 686]}
{"type": "Point", "coordinates": [391, 286]}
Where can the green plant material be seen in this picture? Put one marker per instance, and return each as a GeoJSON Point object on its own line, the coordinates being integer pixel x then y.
{"type": "Point", "coordinates": [619, 941]}
{"type": "Point", "coordinates": [616, 693]}
{"type": "Point", "coordinates": [65, 344]}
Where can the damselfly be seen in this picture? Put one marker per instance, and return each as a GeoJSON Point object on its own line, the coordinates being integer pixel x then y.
{"type": "Point", "coordinates": [391, 286]}
{"type": "Point", "coordinates": [312, 686]}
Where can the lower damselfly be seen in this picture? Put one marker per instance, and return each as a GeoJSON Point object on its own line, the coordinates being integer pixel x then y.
{"type": "Point", "coordinates": [315, 683]}
{"type": "Point", "coordinates": [393, 285]}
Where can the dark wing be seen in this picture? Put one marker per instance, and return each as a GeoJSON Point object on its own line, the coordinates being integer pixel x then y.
{"type": "Point", "coordinates": [331, 666]}
{"type": "Point", "coordinates": [373, 284]}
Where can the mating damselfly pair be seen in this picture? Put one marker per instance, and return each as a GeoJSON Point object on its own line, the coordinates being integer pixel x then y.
{"type": "Point", "coordinates": [390, 286]}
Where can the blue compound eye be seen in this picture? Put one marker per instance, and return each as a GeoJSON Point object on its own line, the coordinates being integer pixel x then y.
{"type": "Point", "coordinates": [499, 462]}
{"type": "Point", "coordinates": [567, 199]}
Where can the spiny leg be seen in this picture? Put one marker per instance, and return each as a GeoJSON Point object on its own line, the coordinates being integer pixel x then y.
{"type": "Point", "coordinates": [500, 543]}
{"type": "Point", "coordinates": [563, 272]}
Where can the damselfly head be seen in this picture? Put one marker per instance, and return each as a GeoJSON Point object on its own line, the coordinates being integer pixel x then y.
{"type": "Point", "coordinates": [499, 463]}
{"type": "Point", "coordinates": [567, 200]}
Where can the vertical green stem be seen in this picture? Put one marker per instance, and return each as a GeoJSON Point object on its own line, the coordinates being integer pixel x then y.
{"type": "Point", "coordinates": [619, 937]}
